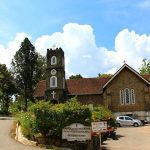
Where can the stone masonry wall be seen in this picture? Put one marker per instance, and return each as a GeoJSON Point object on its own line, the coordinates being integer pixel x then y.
{"type": "Point", "coordinates": [127, 79]}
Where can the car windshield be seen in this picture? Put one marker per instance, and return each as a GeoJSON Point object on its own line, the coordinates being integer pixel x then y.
{"type": "Point", "coordinates": [133, 117]}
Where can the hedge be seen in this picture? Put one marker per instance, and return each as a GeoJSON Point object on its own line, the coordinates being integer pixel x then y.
{"type": "Point", "coordinates": [47, 120]}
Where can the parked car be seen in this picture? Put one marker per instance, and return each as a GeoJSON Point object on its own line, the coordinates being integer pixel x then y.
{"type": "Point", "coordinates": [144, 122]}
{"type": "Point", "coordinates": [127, 121]}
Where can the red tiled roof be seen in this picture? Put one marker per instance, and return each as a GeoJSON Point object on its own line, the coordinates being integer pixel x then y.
{"type": "Point", "coordinates": [86, 85]}
{"type": "Point", "coordinates": [80, 86]}
{"type": "Point", "coordinates": [40, 89]}
{"type": "Point", "coordinates": [76, 86]}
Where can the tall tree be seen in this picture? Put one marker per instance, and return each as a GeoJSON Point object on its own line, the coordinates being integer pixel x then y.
{"type": "Point", "coordinates": [40, 68]}
{"type": "Point", "coordinates": [7, 88]}
{"type": "Point", "coordinates": [23, 67]}
{"type": "Point", "coordinates": [145, 68]}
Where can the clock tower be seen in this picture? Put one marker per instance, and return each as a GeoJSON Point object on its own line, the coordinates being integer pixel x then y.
{"type": "Point", "coordinates": [55, 76]}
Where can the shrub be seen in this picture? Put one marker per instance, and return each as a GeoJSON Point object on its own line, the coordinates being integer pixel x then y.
{"type": "Point", "coordinates": [102, 113]}
{"type": "Point", "coordinates": [18, 105]}
{"type": "Point", "coordinates": [43, 117]}
{"type": "Point", "coordinates": [27, 122]}
{"type": "Point", "coordinates": [48, 120]}
{"type": "Point", "coordinates": [70, 112]}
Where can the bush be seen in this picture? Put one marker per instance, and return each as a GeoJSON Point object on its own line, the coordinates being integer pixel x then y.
{"type": "Point", "coordinates": [18, 105]}
{"type": "Point", "coordinates": [70, 112]}
{"type": "Point", "coordinates": [103, 113]}
{"type": "Point", "coordinates": [27, 122]}
{"type": "Point", "coordinates": [48, 120]}
{"type": "Point", "coordinates": [43, 117]}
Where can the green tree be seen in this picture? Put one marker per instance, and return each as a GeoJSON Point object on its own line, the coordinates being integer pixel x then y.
{"type": "Point", "coordinates": [145, 68]}
{"type": "Point", "coordinates": [40, 68]}
{"type": "Point", "coordinates": [24, 69]}
{"type": "Point", "coordinates": [78, 76]}
{"type": "Point", "coordinates": [104, 75]}
{"type": "Point", "coordinates": [7, 88]}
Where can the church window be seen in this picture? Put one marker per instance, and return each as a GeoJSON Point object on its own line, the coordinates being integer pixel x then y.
{"type": "Point", "coordinates": [53, 81]}
{"type": "Point", "coordinates": [132, 96]}
{"type": "Point", "coordinates": [53, 60]}
{"type": "Point", "coordinates": [122, 97]}
{"type": "Point", "coordinates": [127, 95]}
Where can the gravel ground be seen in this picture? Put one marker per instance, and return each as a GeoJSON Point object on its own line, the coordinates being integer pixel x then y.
{"type": "Point", "coordinates": [130, 138]}
{"type": "Point", "coordinates": [6, 142]}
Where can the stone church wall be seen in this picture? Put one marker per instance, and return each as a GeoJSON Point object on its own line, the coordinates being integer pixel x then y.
{"type": "Point", "coordinates": [127, 79]}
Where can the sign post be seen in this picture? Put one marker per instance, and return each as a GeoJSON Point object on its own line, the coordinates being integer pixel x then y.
{"type": "Point", "coordinates": [76, 132]}
{"type": "Point", "coordinates": [98, 128]}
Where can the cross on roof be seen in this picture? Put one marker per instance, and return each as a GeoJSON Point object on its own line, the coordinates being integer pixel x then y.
{"type": "Point", "coordinates": [124, 61]}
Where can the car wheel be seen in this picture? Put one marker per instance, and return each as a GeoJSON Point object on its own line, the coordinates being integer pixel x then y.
{"type": "Point", "coordinates": [135, 125]}
{"type": "Point", "coordinates": [118, 125]}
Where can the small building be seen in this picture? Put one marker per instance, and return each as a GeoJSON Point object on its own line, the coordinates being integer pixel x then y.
{"type": "Point", "coordinates": [126, 92]}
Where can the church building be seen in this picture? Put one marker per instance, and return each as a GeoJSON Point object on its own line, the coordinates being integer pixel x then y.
{"type": "Point", "coordinates": [126, 92]}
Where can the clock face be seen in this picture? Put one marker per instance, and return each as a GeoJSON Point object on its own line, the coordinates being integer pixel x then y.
{"type": "Point", "coordinates": [53, 71]}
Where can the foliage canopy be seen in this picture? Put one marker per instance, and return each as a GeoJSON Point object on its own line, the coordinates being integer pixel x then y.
{"type": "Point", "coordinates": [48, 120]}
{"type": "Point", "coordinates": [78, 76]}
{"type": "Point", "coordinates": [145, 68]}
{"type": "Point", "coordinates": [7, 88]}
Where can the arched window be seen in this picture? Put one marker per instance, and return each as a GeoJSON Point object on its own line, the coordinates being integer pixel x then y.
{"type": "Point", "coordinates": [127, 96]}
{"type": "Point", "coordinates": [53, 60]}
{"type": "Point", "coordinates": [122, 97]}
{"type": "Point", "coordinates": [53, 81]}
{"type": "Point", "coordinates": [132, 96]}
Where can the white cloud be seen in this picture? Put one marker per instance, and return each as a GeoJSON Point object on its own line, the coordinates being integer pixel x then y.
{"type": "Point", "coordinates": [6, 54]}
{"type": "Point", "coordinates": [78, 42]}
{"type": "Point", "coordinates": [82, 55]}
{"type": "Point", "coordinates": [131, 47]}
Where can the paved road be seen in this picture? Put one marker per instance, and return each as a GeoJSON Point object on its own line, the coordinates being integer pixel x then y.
{"type": "Point", "coordinates": [130, 138]}
{"type": "Point", "coordinates": [6, 142]}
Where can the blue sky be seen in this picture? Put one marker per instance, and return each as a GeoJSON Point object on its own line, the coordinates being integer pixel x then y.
{"type": "Point", "coordinates": [108, 23]}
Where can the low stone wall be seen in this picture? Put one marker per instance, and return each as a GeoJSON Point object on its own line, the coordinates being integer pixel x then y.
{"type": "Point", "coordinates": [19, 137]}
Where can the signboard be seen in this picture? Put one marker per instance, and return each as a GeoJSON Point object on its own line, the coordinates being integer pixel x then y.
{"type": "Point", "coordinates": [99, 126]}
{"type": "Point", "coordinates": [76, 132]}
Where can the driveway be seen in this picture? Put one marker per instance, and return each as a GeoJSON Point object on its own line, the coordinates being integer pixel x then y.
{"type": "Point", "coordinates": [130, 138]}
{"type": "Point", "coordinates": [6, 142]}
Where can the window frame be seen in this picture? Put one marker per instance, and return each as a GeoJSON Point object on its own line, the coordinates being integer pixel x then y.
{"type": "Point", "coordinates": [53, 60]}
{"type": "Point", "coordinates": [53, 81]}
{"type": "Point", "coordinates": [132, 96]}
{"type": "Point", "coordinates": [127, 93]}
{"type": "Point", "coordinates": [122, 97]}
{"type": "Point", "coordinates": [127, 96]}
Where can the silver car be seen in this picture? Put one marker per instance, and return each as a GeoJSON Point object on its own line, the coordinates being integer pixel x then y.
{"type": "Point", "coordinates": [127, 121]}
